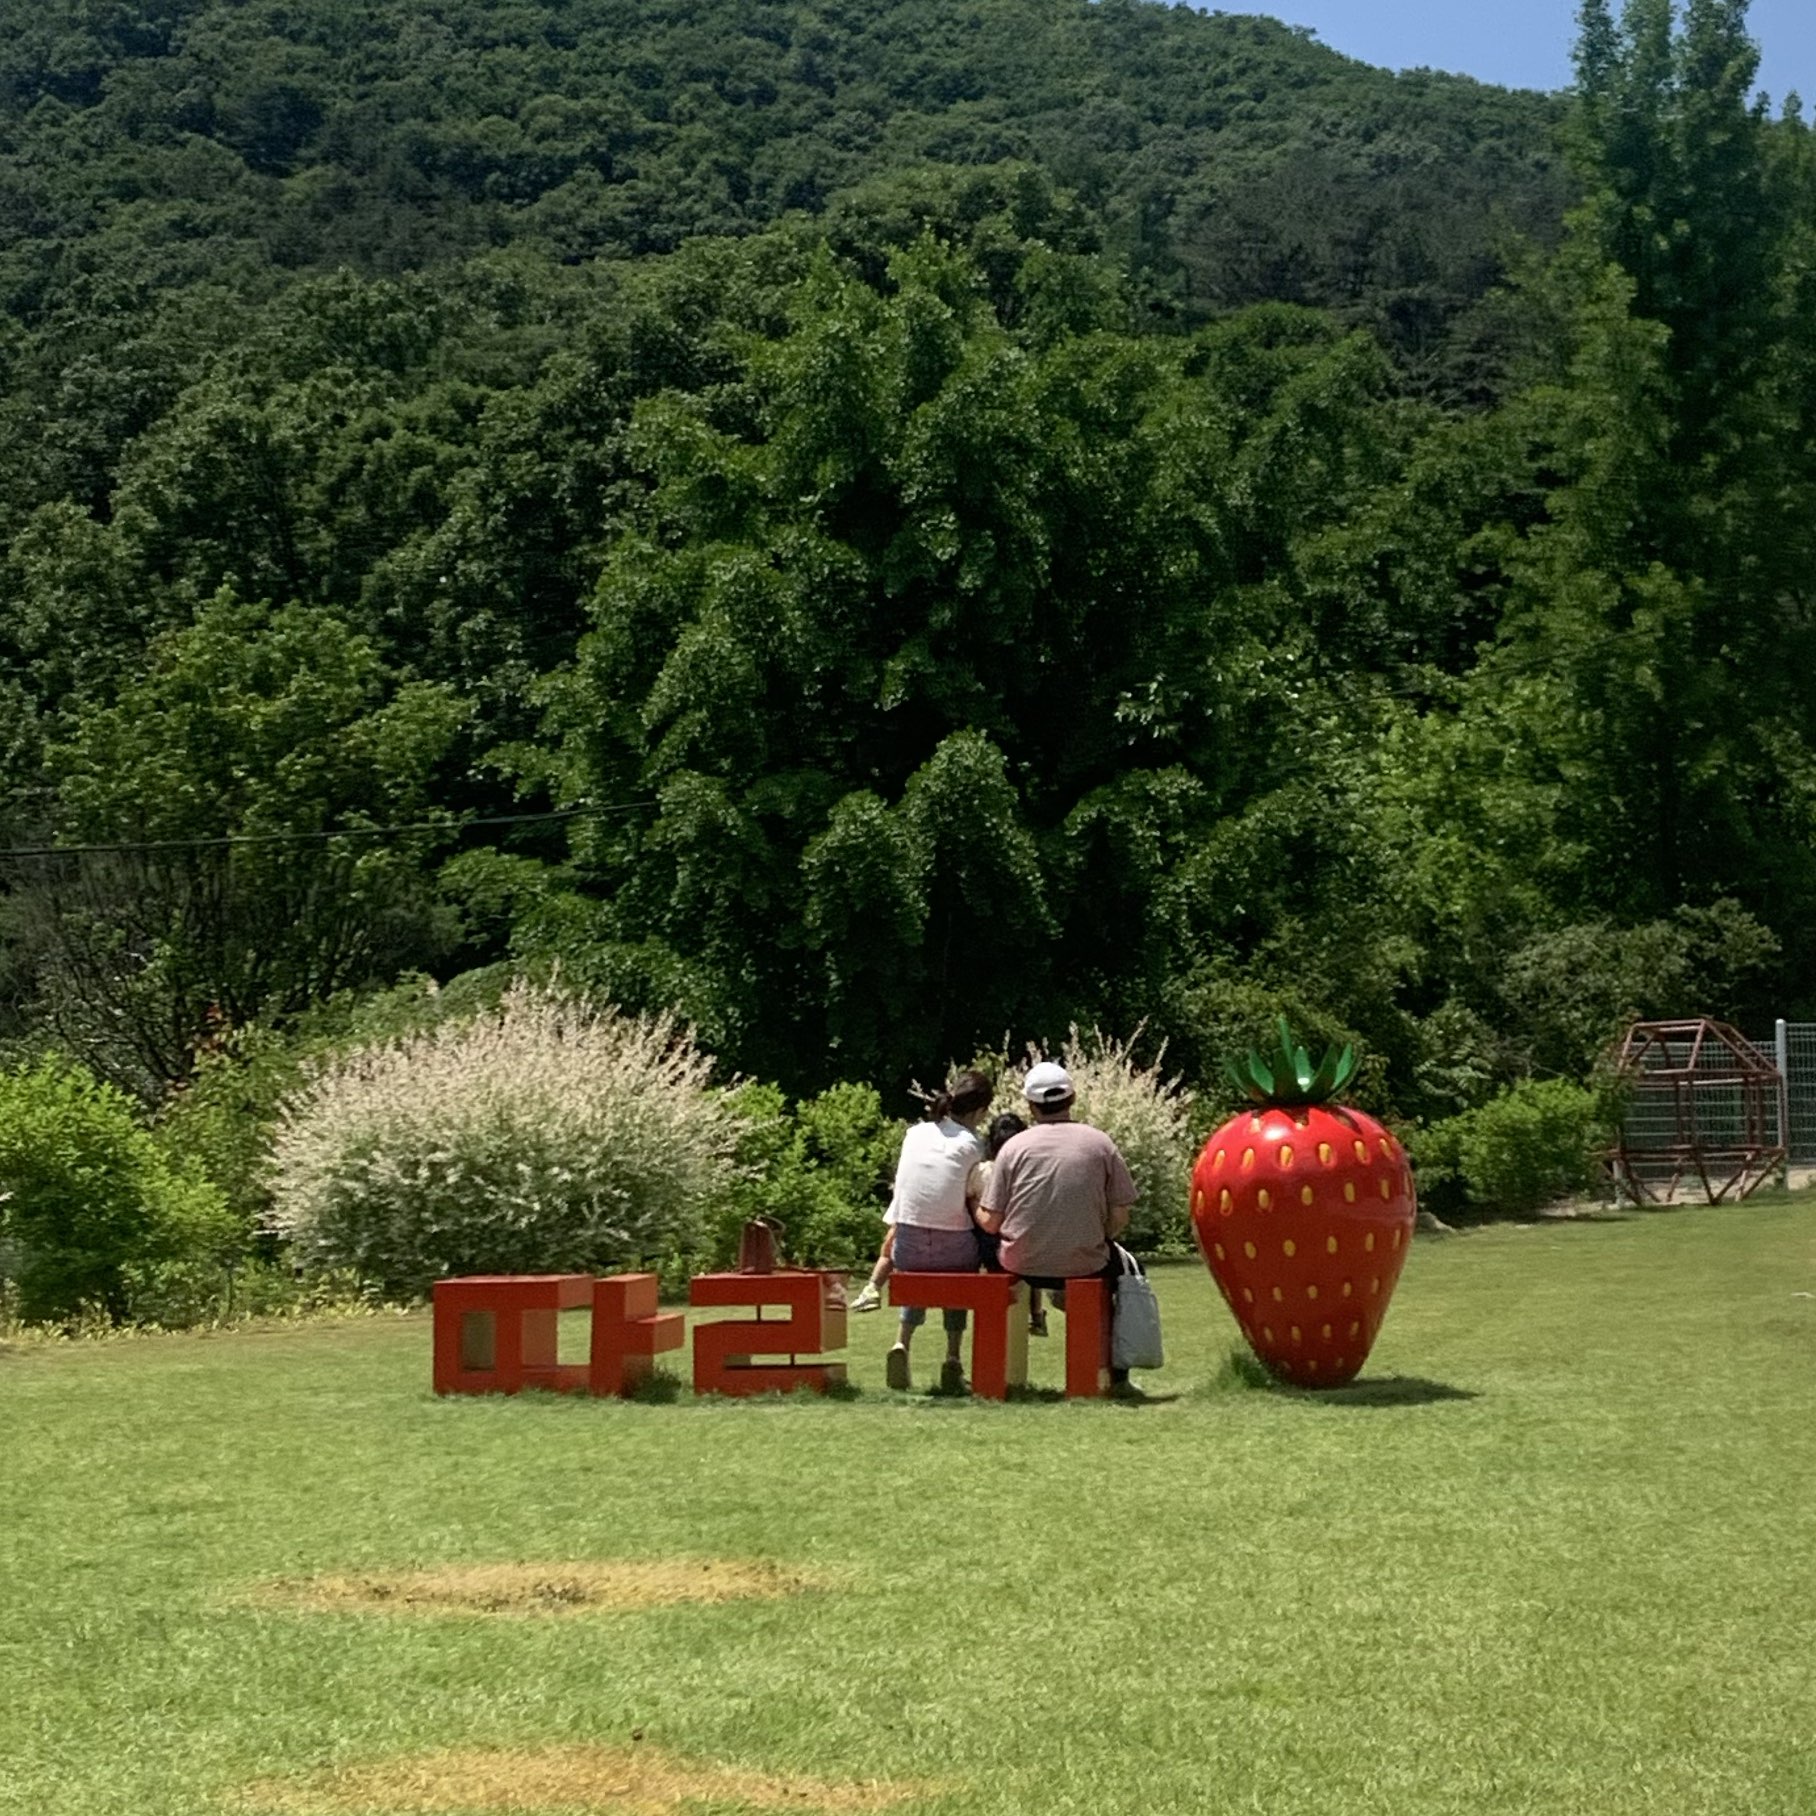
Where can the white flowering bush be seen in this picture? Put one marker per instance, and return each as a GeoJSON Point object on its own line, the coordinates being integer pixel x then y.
{"type": "Point", "coordinates": [547, 1135]}
{"type": "Point", "coordinates": [1147, 1115]}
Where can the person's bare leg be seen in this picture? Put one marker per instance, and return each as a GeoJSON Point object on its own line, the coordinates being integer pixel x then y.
{"type": "Point", "coordinates": [870, 1299]}
{"type": "Point", "coordinates": [952, 1371]}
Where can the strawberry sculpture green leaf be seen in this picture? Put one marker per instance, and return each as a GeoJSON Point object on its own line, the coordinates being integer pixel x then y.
{"type": "Point", "coordinates": [1304, 1211]}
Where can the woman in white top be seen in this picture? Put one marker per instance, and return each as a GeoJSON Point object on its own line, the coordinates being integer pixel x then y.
{"type": "Point", "coordinates": [930, 1213]}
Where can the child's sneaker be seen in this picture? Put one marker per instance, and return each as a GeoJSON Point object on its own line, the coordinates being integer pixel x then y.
{"type": "Point", "coordinates": [895, 1368]}
{"type": "Point", "coordinates": [869, 1300]}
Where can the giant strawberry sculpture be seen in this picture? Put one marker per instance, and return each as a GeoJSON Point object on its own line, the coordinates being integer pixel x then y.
{"type": "Point", "coordinates": [1304, 1212]}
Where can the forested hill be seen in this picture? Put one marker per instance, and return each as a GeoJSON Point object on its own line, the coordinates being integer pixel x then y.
{"type": "Point", "coordinates": [1230, 158]}
{"type": "Point", "coordinates": [983, 516]}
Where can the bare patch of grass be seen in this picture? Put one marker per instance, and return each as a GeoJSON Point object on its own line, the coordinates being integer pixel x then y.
{"type": "Point", "coordinates": [525, 1589]}
{"type": "Point", "coordinates": [626, 1781]}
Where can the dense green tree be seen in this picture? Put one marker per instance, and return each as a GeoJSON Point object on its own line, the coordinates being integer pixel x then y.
{"type": "Point", "coordinates": [933, 656]}
{"type": "Point", "coordinates": [1013, 513]}
{"type": "Point", "coordinates": [1669, 586]}
{"type": "Point", "coordinates": [226, 790]}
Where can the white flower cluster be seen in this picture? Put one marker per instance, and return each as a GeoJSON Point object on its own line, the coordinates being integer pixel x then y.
{"type": "Point", "coordinates": [548, 1135]}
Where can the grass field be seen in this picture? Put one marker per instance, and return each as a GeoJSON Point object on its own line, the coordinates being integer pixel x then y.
{"type": "Point", "coordinates": [1556, 1553]}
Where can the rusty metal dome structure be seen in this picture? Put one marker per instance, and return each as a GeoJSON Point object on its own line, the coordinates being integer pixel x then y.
{"type": "Point", "coordinates": [1704, 1111]}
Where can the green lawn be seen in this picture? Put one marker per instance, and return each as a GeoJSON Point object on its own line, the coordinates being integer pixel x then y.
{"type": "Point", "coordinates": [1556, 1553]}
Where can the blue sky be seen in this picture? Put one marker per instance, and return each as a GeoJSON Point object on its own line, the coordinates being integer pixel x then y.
{"type": "Point", "coordinates": [1520, 43]}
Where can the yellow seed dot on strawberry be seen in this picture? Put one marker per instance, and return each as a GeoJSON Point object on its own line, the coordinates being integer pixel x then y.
{"type": "Point", "coordinates": [1248, 1159]}
{"type": "Point", "coordinates": [1248, 1248]}
{"type": "Point", "coordinates": [1387, 1190]}
{"type": "Point", "coordinates": [1361, 1150]}
{"type": "Point", "coordinates": [1295, 1333]}
{"type": "Point", "coordinates": [1286, 1156]}
{"type": "Point", "coordinates": [1226, 1203]}
{"type": "Point", "coordinates": [1349, 1191]}
{"type": "Point", "coordinates": [1368, 1242]}
{"type": "Point", "coordinates": [1279, 1296]}
{"type": "Point", "coordinates": [1267, 1330]}
{"type": "Point", "coordinates": [1217, 1250]}
{"type": "Point", "coordinates": [1248, 1295]}
{"type": "Point", "coordinates": [1346, 1289]}
{"type": "Point", "coordinates": [1330, 1245]}
{"type": "Point", "coordinates": [1305, 1194]}
{"type": "Point", "coordinates": [1286, 1248]}
{"type": "Point", "coordinates": [1355, 1330]}
{"type": "Point", "coordinates": [1324, 1152]}
{"type": "Point", "coordinates": [1374, 1285]}
{"type": "Point", "coordinates": [1396, 1238]}
{"type": "Point", "coordinates": [1217, 1160]}
{"type": "Point", "coordinates": [1311, 1292]}
{"type": "Point", "coordinates": [1325, 1332]}
{"type": "Point", "coordinates": [1197, 1202]}
{"type": "Point", "coordinates": [1262, 1199]}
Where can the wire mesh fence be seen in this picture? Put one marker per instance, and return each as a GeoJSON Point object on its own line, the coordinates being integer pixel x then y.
{"type": "Point", "coordinates": [1793, 1049]}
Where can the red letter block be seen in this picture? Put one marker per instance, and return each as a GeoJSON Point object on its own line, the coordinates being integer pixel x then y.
{"type": "Point", "coordinates": [1087, 1339]}
{"type": "Point", "coordinates": [998, 1304]}
{"type": "Point", "coordinates": [725, 1353]}
{"type": "Point", "coordinates": [497, 1333]}
{"type": "Point", "coordinates": [629, 1332]}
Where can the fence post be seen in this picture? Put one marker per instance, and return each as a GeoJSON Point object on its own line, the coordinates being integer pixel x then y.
{"type": "Point", "coordinates": [1784, 1099]}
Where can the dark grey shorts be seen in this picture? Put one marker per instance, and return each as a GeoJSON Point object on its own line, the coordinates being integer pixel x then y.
{"type": "Point", "coordinates": [924, 1251]}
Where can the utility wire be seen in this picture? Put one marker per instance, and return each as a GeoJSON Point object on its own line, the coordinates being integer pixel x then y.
{"type": "Point", "coordinates": [1507, 664]}
{"type": "Point", "coordinates": [342, 832]}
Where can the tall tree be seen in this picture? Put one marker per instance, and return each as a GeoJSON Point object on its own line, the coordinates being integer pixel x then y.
{"type": "Point", "coordinates": [227, 788]}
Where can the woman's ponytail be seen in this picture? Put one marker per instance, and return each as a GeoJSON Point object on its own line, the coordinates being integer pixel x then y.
{"type": "Point", "coordinates": [968, 1091]}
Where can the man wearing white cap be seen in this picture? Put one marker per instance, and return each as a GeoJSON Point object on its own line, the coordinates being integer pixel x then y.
{"type": "Point", "coordinates": [1059, 1193]}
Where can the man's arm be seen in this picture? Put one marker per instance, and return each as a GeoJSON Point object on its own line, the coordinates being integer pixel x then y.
{"type": "Point", "coordinates": [990, 1222]}
{"type": "Point", "coordinates": [1119, 1193]}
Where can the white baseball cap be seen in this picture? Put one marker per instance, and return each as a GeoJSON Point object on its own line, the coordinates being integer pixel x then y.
{"type": "Point", "coordinates": [1047, 1083]}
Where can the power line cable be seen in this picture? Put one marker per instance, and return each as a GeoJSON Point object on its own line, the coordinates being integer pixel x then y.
{"type": "Point", "coordinates": [122, 847]}
{"type": "Point", "coordinates": [1511, 664]}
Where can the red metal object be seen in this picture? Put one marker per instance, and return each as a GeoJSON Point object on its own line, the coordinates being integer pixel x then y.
{"type": "Point", "coordinates": [1304, 1216]}
{"type": "Point", "coordinates": [629, 1332]}
{"type": "Point", "coordinates": [998, 1304]}
{"type": "Point", "coordinates": [1703, 1105]}
{"type": "Point", "coordinates": [760, 1246]}
{"type": "Point", "coordinates": [499, 1333]}
{"type": "Point", "coordinates": [728, 1353]}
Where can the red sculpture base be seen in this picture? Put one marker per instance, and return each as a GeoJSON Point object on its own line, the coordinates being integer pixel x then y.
{"type": "Point", "coordinates": [727, 1351]}
{"type": "Point", "coordinates": [498, 1333]}
{"type": "Point", "coordinates": [998, 1304]}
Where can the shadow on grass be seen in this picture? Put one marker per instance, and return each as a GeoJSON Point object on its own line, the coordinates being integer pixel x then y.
{"type": "Point", "coordinates": [1040, 1396]}
{"type": "Point", "coordinates": [1387, 1390]}
{"type": "Point", "coordinates": [660, 1387]}
{"type": "Point", "coordinates": [1243, 1372]}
